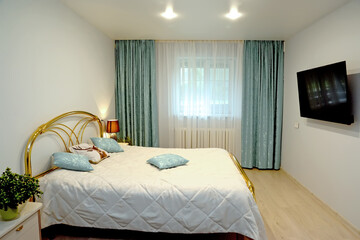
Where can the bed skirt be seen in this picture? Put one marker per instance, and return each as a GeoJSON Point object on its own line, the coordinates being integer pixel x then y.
{"type": "Point", "coordinates": [62, 231]}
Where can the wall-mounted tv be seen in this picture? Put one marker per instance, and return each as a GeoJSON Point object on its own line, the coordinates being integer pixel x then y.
{"type": "Point", "coordinates": [324, 94]}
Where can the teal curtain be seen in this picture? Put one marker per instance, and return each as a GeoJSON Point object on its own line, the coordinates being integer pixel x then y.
{"type": "Point", "coordinates": [135, 94]}
{"type": "Point", "coordinates": [262, 104]}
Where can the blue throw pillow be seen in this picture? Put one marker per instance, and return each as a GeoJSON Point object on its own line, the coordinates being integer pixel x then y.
{"type": "Point", "coordinates": [107, 144]}
{"type": "Point", "coordinates": [72, 161]}
{"type": "Point", "coordinates": [167, 161]}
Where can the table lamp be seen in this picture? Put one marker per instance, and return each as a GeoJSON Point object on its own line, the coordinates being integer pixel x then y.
{"type": "Point", "coordinates": [112, 127]}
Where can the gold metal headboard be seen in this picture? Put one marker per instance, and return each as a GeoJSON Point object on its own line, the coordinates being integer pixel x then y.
{"type": "Point", "coordinates": [69, 136]}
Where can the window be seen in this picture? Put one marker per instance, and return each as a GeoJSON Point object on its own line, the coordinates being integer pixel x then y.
{"type": "Point", "coordinates": [204, 89]}
{"type": "Point", "coordinates": [199, 93]}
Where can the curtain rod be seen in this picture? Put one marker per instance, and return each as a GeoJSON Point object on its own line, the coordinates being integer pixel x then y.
{"type": "Point", "coordinates": [157, 40]}
{"type": "Point", "coordinates": [199, 40]}
{"type": "Point", "coordinates": [242, 41]}
{"type": "Point", "coordinates": [182, 40]}
{"type": "Point", "coordinates": [213, 40]}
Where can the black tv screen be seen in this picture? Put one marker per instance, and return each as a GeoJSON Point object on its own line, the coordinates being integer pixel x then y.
{"type": "Point", "coordinates": [324, 94]}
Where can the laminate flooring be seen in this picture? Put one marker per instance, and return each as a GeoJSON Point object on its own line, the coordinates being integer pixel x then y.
{"type": "Point", "coordinates": [292, 212]}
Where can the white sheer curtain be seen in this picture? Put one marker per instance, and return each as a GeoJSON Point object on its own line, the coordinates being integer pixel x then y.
{"type": "Point", "coordinates": [199, 94]}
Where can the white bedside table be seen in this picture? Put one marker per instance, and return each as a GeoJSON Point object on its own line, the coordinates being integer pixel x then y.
{"type": "Point", "coordinates": [27, 226]}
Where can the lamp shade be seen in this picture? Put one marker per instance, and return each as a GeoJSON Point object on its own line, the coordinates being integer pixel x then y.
{"type": "Point", "coordinates": [112, 126]}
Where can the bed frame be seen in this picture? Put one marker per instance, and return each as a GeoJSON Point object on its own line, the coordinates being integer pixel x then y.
{"type": "Point", "coordinates": [71, 136]}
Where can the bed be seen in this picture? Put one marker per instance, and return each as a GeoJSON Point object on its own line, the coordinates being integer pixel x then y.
{"type": "Point", "coordinates": [210, 194]}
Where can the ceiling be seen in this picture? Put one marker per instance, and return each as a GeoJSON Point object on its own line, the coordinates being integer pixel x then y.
{"type": "Point", "coordinates": [202, 19]}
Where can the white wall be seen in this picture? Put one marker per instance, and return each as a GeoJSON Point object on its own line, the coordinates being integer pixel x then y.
{"type": "Point", "coordinates": [323, 156]}
{"type": "Point", "coordinates": [51, 62]}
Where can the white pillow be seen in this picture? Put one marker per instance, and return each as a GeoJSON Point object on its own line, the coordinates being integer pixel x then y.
{"type": "Point", "coordinates": [94, 154]}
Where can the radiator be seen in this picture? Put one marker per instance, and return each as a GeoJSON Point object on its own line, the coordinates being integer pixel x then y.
{"type": "Point", "coordinates": [205, 138]}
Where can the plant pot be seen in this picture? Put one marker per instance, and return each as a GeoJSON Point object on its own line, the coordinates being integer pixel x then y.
{"type": "Point", "coordinates": [9, 214]}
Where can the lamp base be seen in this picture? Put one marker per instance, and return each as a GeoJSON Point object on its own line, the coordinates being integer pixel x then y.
{"type": "Point", "coordinates": [113, 136]}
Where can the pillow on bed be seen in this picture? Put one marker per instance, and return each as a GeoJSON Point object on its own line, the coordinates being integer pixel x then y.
{"type": "Point", "coordinates": [165, 161]}
{"type": "Point", "coordinates": [72, 161]}
{"type": "Point", "coordinates": [107, 144]}
{"type": "Point", "coordinates": [94, 154]}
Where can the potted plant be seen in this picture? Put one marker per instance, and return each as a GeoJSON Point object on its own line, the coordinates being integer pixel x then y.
{"type": "Point", "coordinates": [16, 189]}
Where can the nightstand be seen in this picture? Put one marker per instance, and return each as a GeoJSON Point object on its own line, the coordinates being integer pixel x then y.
{"type": "Point", "coordinates": [27, 226]}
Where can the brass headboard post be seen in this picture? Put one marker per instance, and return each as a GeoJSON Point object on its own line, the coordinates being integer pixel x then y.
{"type": "Point", "coordinates": [249, 184]}
{"type": "Point", "coordinates": [74, 135]}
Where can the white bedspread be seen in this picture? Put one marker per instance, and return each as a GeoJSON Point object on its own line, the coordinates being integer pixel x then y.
{"type": "Point", "coordinates": [208, 195]}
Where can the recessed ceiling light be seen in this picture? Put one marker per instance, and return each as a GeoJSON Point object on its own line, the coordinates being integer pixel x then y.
{"type": "Point", "coordinates": [169, 13]}
{"type": "Point", "coordinates": [233, 14]}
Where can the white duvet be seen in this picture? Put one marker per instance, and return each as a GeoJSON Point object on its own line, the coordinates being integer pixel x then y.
{"type": "Point", "coordinates": [207, 195]}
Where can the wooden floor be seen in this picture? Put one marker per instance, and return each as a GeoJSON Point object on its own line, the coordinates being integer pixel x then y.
{"type": "Point", "coordinates": [292, 212]}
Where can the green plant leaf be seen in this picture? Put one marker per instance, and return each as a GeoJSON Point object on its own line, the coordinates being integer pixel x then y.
{"type": "Point", "coordinates": [16, 189]}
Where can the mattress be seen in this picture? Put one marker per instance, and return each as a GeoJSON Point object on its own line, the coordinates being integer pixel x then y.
{"type": "Point", "coordinates": [207, 195]}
